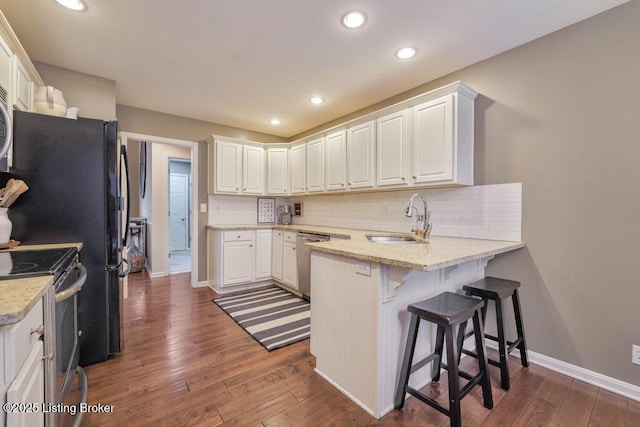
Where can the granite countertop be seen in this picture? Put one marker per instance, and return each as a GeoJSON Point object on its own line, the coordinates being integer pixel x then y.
{"type": "Point", "coordinates": [438, 253]}
{"type": "Point", "coordinates": [18, 296]}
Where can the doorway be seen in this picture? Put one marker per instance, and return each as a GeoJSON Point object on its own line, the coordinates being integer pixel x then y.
{"type": "Point", "coordinates": [179, 215]}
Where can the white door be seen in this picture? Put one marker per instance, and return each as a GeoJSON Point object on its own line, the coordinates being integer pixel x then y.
{"type": "Point", "coordinates": [179, 212]}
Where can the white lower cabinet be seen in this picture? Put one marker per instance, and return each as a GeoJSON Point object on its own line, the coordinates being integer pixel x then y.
{"type": "Point", "coordinates": [284, 261]}
{"type": "Point", "coordinates": [28, 387]}
{"type": "Point", "coordinates": [263, 254]}
{"type": "Point", "coordinates": [21, 352]}
{"type": "Point", "coordinates": [276, 254]}
{"type": "Point", "coordinates": [244, 257]}
{"type": "Point", "coordinates": [289, 260]}
{"type": "Point", "coordinates": [238, 257]}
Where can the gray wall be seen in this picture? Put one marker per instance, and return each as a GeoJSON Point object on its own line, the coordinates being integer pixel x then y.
{"type": "Point", "coordinates": [559, 115]}
{"type": "Point", "coordinates": [94, 96]}
{"type": "Point", "coordinates": [136, 120]}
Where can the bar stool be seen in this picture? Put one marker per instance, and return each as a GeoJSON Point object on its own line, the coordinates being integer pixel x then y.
{"type": "Point", "coordinates": [496, 290]}
{"type": "Point", "coordinates": [447, 310]}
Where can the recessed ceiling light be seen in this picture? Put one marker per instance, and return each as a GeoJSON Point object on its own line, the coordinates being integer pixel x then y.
{"type": "Point", "coordinates": [275, 122]}
{"type": "Point", "coordinates": [406, 52]}
{"type": "Point", "coordinates": [316, 100]}
{"type": "Point", "coordinates": [354, 19]}
{"type": "Point", "coordinates": [72, 4]}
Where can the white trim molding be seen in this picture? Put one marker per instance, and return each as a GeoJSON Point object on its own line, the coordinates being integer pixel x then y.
{"type": "Point", "coordinates": [590, 377]}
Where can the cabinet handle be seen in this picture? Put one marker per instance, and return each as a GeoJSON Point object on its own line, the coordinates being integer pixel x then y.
{"type": "Point", "coordinates": [415, 177]}
{"type": "Point", "coordinates": [250, 246]}
{"type": "Point", "coordinates": [403, 178]}
{"type": "Point", "coordinates": [39, 330]}
{"type": "Point", "coordinates": [48, 356]}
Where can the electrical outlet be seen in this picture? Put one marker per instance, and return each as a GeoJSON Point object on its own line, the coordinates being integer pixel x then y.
{"type": "Point", "coordinates": [364, 269]}
{"type": "Point", "coordinates": [635, 357]}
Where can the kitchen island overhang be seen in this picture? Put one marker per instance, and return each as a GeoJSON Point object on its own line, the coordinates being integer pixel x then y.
{"type": "Point", "coordinates": [360, 292]}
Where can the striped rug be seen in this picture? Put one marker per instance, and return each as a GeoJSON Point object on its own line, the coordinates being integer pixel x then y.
{"type": "Point", "coordinates": [273, 317]}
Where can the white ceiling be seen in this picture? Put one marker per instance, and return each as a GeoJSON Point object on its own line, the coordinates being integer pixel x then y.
{"type": "Point", "coordinates": [242, 62]}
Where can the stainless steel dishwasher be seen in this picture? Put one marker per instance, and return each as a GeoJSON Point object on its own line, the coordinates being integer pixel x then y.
{"type": "Point", "coordinates": [304, 260]}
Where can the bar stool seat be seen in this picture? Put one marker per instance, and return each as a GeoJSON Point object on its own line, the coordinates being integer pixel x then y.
{"type": "Point", "coordinates": [448, 311]}
{"type": "Point", "coordinates": [496, 289]}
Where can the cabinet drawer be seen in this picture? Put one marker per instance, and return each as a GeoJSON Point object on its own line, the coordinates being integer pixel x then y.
{"type": "Point", "coordinates": [290, 237]}
{"type": "Point", "coordinates": [238, 235]}
{"type": "Point", "coordinates": [19, 338]}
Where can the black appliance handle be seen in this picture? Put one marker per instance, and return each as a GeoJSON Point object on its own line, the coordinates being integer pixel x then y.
{"type": "Point", "coordinates": [75, 287]}
{"type": "Point", "coordinates": [125, 228]}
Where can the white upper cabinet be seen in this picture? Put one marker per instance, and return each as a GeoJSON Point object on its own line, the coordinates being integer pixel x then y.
{"type": "Point", "coordinates": [315, 165]}
{"type": "Point", "coordinates": [23, 89]}
{"type": "Point", "coordinates": [298, 168]}
{"type": "Point", "coordinates": [277, 170]}
{"type": "Point", "coordinates": [392, 148]}
{"type": "Point", "coordinates": [424, 141]}
{"type": "Point", "coordinates": [228, 167]}
{"type": "Point", "coordinates": [238, 168]}
{"type": "Point", "coordinates": [252, 170]}
{"type": "Point", "coordinates": [442, 140]}
{"type": "Point", "coordinates": [432, 141]}
{"type": "Point", "coordinates": [361, 155]}
{"type": "Point", "coordinates": [336, 161]}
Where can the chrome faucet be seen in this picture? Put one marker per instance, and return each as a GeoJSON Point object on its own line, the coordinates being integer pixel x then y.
{"type": "Point", "coordinates": [425, 217]}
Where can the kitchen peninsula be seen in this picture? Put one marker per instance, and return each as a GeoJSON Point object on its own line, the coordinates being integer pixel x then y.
{"type": "Point", "coordinates": [360, 291]}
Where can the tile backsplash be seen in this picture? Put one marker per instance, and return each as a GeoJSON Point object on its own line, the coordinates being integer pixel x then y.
{"type": "Point", "coordinates": [483, 212]}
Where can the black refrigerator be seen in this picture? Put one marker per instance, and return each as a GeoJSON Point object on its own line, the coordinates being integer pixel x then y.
{"type": "Point", "coordinates": [74, 170]}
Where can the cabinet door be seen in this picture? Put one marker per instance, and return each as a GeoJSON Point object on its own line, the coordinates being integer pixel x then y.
{"type": "Point", "coordinates": [336, 161]}
{"type": "Point", "coordinates": [23, 90]}
{"type": "Point", "coordinates": [392, 149]}
{"type": "Point", "coordinates": [276, 255]}
{"type": "Point", "coordinates": [263, 254]}
{"type": "Point", "coordinates": [228, 167]}
{"type": "Point", "coordinates": [315, 165]}
{"type": "Point", "coordinates": [238, 262]}
{"type": "Point", "coordinates": [252, 170]}
{"type": "Point", "coordinates": [433, 141]}
{"type": "Point", "coordinates": [360, 155]}
{"type": "Point", "coordinates": [28, 387]}
{"type": "Point", "coordinates": [298, 169]}
{"type": "Point", "coordinates": [289, 265]}
{"type": "Point", "coordinates": [277, 170]}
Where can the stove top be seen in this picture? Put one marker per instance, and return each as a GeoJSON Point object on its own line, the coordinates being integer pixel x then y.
{"type": "Point", "coordinates": [29, 263]}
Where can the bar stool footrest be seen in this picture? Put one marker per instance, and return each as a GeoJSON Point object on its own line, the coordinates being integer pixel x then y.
{"type": "Point", "coordinates": [429, 401]}
{"type": "Point", "coordinates": [430, 358]}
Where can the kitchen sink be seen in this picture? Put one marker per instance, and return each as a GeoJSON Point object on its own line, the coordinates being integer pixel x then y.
{"type": "Point", "coordinates": [391, 239]}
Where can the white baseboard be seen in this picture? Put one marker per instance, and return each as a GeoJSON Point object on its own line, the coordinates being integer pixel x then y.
{"type": "Point", "coordinates": [200, 284]}
{"type": "Point", "coordinates": [594, 378]}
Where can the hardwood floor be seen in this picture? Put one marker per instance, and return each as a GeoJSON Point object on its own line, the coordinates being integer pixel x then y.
{"type": "Point", "coordinates": [185, 362]}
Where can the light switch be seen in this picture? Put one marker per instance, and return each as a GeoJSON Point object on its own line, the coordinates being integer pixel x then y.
{"type": "Point", "coordinates": [203, 207]}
